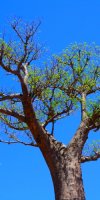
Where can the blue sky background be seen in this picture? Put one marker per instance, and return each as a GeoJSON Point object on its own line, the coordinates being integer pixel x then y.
{"type": "Point", "coordinates": [23, 172]}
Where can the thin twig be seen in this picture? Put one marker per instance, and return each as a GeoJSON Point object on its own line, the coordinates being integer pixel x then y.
{"type": "Point", "coordinates": [18, 141]}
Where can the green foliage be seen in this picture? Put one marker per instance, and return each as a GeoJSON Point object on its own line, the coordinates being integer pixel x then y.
{"type": "Point", "coordinates": [92, 149]}
{"type": "Point", "coordinates": [5, 49]}
{"type": "Point", "coordinates": [59, 86]}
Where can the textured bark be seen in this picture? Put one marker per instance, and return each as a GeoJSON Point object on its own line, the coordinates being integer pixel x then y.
{"type": "Point", "coordinates": [68, 182]}
{"type": "Point", "coordinates": [66, 173]}
{"type": "Point", "coordinates": [63, 162]}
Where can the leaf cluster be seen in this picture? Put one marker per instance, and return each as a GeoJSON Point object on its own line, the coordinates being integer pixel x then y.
{"type": "Point", "coordinates": [58, 88]}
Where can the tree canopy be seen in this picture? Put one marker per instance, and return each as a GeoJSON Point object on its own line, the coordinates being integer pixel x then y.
{"type": "Point", "coordinates": [69, 82]}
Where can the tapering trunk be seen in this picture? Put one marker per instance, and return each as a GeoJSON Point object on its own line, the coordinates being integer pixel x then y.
{"type": "Point", "coordinates": [63, 161]}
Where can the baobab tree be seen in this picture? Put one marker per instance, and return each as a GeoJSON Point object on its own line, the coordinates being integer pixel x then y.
{"type": "Point", "coordinates": [68, 83]}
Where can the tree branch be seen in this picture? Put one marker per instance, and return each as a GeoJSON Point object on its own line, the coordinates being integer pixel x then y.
{"type": "Point", "coordinates": [13, 114]}
{"type": "Point", "coordinates": [95, 118]}
{"type": "Point", "coordinates": [18, 141]}
{"type": "Point", "coordinates": [83, 106]}
{"type": "Point", "coordinates": [57, 115]}
{"type": "Point", "coordinates": [90, 158]}
{"type": "Point", "coordinates": [13, 125]}
{"type": "Point", "coordinates": [10, 97]}
{"type": "Point", "coordinates": [52, 131]}
{"type": "Point", "coordinates": [80, 136]}
{"type": "Point", "coordinates": [7, 68]}
{"type": "Point", "coordinates": [23, 80]}
{"type": "Point", "coordinates": [93, 90]}
{"type": "Point", "coordinates": [14, 26]}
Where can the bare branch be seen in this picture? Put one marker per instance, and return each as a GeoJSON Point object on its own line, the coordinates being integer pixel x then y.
{"type": "Point", "coordinates": [20, 142]}
{"type": "Point", "coordinates": [35, 55]}
{"type": "Point", "coordinates": [14, 26]}
{"type": "Point", "coordinates": [30, 29]}
{"type": "Point", "coordinates": [90, 158]}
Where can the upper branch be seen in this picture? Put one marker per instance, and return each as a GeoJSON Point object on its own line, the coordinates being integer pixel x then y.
{"type": "Point", "coordinates": [27, 37]}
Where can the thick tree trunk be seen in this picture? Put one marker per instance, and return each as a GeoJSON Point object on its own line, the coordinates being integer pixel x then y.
{"type": "Point", "coordinates": [66, 175]}
{"type": "Point", "coordinates": [63, 161]}
{"type": "Point", "coordinates": [67, 182]}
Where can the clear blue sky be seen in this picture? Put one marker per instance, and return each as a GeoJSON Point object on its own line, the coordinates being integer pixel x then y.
{"type": "Point", "coordinates": [23, 172]}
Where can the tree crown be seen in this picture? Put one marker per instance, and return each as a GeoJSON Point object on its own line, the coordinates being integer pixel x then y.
{"type": "Point", "coordinates": [67, 83]}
